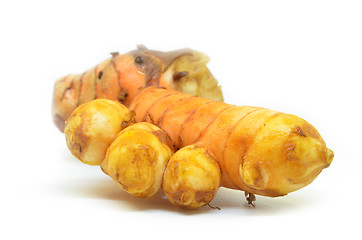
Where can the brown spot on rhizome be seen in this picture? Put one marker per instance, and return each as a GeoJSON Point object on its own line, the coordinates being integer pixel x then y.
{"type": "Point", "coordinates": [122, 95]}
{"type": "Point", "coordinates": [100, 74]}
{"type": "Point", "coordinates": [114, 54]}
{"type": "Point", "coordinates": [178, 75]}
{"type": "Point", "coordinates": [298, 130]}
{"type": "Point", "coordinates": [139, 60]}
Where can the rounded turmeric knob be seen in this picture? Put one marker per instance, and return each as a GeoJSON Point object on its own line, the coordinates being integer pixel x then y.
{"type": "Point", "coordinates": [137, 158]}
{"type": "Point", "coordinates": [192, 177]}
{"type": "Point", "coordinates": [286, 155]}
{"type": "Point", "coordinates": [92, 126]}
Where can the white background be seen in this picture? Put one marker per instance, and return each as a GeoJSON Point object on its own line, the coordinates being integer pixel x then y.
{"type": "Point", "coordinates": [299, 57]}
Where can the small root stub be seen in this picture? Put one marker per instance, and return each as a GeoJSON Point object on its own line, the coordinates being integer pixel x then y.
{"type": "Point", "coordinates": [212, 207]}
{"type": "Point", "coordinates": [250, 198]}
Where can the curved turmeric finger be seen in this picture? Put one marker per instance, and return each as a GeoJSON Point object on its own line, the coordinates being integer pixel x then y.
{"type": "Point", "coordinates": [258, 150]}
{"type": "Point", "coordinates": [122, 76]}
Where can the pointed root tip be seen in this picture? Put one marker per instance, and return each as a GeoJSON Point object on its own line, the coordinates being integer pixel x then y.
{"type": "Point", "coordinates": [330, 156]}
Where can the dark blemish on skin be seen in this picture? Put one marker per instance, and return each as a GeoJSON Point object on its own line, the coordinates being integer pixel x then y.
{"type": "Point", "coordinates": [139, 60]}
{"type": "Point", "coordinates": [100, 74]}
{"type": "Point", "coordinates": [299, 131]}
{"type": "Point", "coordinates": [178, 75]}
{"type": "Point", "coordinates": [114, 54]}
{"type": "Point", "coordinates": [122, 95]}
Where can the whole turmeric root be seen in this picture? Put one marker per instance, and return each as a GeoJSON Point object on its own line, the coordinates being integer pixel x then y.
{"type": "Point", "coordinates": [252, 149]}
{"type": "Point", "coordinates": [122, 76]}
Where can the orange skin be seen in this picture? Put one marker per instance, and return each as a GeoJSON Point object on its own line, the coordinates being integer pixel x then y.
{"type": "Point", "coordinates": [119, 78]}
{"type": "Point", "coordinates": [259, 151]}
